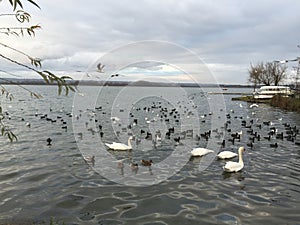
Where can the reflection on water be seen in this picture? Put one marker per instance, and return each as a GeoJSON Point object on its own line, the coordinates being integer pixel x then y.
{"type": "Point", "coordinates": [39, 181]}
{"type": "Point", "coordinates": [238, 176]}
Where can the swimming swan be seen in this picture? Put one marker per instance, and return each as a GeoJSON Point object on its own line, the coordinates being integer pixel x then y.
{"type": "Point", "coordinates": [200, 151]}
{"type": "Point", "coordinates": [235, 166]}
{"type": "Point", "coordinates": [227, 155]}
{"type": "Point", "coordinates": [120, 146]}
{"type": "Point", "coordinates": [253, 105]}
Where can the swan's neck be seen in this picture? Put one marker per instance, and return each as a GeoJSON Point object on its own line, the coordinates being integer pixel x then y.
{"type": "Point", "coordinates": [241, 157]}
{"type": "Point", "coordinates": [129, 143]}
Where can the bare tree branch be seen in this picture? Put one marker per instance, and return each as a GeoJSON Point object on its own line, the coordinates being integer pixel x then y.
{"type": "Point", "coordinates": [270, 73]}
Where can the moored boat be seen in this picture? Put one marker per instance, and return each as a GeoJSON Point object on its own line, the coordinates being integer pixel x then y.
{"type": "Point", "coordinates": [268, 92]}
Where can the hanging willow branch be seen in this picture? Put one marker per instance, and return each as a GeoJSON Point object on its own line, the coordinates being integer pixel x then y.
{"type": "Point", "coordinates": [4, 130]}
{"type": "Point", "coordinates": [20, 15]}
{"type": "Point", "coordinates": [48, 77]}
{"type": "Point", "coordinates": [34, 61]}
{"type": "Point", "coordinates": [19, 31]}
{"type": "Point", "coordinates": [16, 3]}
{"type": "Point", "coordinates": [8, 94]}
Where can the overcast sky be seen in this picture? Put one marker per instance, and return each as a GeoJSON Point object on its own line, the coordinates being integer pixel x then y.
{"type": "Point", "coordinates": [165, 38]}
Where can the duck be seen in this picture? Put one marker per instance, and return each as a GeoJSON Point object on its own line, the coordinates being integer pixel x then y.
{"type": "Point", "coordinates": [268, 137]}
{"type": "Point", "coordinates": [200, 151]}
{"type": "Point", "coordinates": [235, 166]}
{"type": "Point", "coordinates": [223, 144]}
{"type": "Point", "coordinates": [49, 140]}
{"type": "Point", "coordinates": [158, 137]}
{"type": "Point", "coordinates": [177, 140]}
{"type": "Point", "coordinates": [134, 166]}
{"type": "Point", "coordinates": [227, 155]}
{"type": "Point", "coordinates": [275, 145]}
{"type": "Point", "coordinates": [120, 146]}
{"type": "Point", "coordinates": [146, 162]}
{"type": "Point", "coordinates": [250, 144]}
{"type": "Point", "coordinates": [89, 159]}
{"type": "Point", "coordinates": [120, 165]}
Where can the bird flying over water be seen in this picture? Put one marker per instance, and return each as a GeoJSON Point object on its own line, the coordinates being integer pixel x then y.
{"type": "Point", "coordinates": [100, 68]}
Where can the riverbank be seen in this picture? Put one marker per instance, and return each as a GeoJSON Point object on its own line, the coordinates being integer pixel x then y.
{"type": "Point", "coordinates": [290, 104]}
{"type": "Point", "coordinates": [249, 98]}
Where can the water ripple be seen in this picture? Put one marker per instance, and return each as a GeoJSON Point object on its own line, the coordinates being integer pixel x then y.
{"type": "Point", "coordinates": [39, 181]}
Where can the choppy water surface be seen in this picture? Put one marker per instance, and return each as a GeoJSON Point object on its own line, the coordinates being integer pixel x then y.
{"type": "Point", "coordinates": [39, 181]}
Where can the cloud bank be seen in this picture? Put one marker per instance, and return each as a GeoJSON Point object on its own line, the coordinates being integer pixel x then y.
{"type": "Point", "coordinates": [226, 35]}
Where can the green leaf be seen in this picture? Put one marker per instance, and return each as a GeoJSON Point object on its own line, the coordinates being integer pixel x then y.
{"type": "Point", "coordinates": [19, 3]}
{"type": "Point", "coordinates": [43, 76]}
{"type": "Point", "coordinates": [33, 94]}
{"type": "Point", "coordinates": [72, 88]}
{"type": "Point", "coordinates": [22, 16]}
{"type": "Point", "coordinates": [35, 62]}
{"type": "Point", "coordinates": [29, 31]}
{"type": "Point", "coordinates": [49, 73]}
{"type": "Point", "coordinates": [15, 3]}
{"type": "Point", "coordinates": [59, 89]}
{"type": "Point", "coordinates": [9, 136]}
{"type": "Point", "coordinates": [67, 90]}
{"type": "Point", "coordinates": [66, 77]}
{"type": "Point", "coordinates": [14, 136]}
{"type": "Point", "coordinates": [32, 2]}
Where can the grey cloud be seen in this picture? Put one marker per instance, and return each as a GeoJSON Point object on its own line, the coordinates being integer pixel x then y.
{"type": "Point", "coordinates": [232, 33]}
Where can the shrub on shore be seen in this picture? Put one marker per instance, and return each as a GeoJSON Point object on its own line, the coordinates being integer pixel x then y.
{"type": "Point", "coordinates": [291, 104]}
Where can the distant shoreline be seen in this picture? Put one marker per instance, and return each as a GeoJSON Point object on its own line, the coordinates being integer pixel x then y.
{"type": "Point", "coordinates": [13, 81]}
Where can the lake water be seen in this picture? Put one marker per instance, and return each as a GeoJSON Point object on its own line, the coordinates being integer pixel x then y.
{"type": "Point", "coordinates": [39, 181]}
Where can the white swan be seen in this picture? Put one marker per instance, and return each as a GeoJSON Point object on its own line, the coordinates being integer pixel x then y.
{"type": "Point", "coordinates": [235, 166]}
{"type": "Point", "coordinates": [200, 151]}
{"type": "Point", "coordinates": [253, 105]}
{"type": "Point", "coordinates": [227, 155]}
{"type": "Point", "coordinates": [120, 146]}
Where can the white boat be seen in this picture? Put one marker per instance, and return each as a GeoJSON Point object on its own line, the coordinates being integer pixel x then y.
{"type": "Point", "coordinates": [268, 92]}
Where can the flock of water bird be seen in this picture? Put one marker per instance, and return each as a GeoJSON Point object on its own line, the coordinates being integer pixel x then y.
{"type": "Point", "coordinates": [251, 132]}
